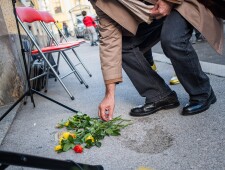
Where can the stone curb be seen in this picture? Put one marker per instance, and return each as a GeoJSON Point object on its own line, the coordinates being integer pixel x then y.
{"type": "Point", "coordinates": [7, 121]}
{"type": "Point", "coordinates": [209, 68]}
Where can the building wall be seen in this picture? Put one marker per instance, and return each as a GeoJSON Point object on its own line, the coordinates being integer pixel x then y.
{"type": "Point", "coordinates": [12, 74]}
{"type": "Point", "coordinates": [66, 6]}
{"type": "Point", "coordinates": [11, 68]}
{"type": "Point", "coordinates": [12, 77]}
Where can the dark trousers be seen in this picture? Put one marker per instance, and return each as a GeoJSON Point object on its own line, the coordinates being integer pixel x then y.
{"type": "Point", "coordinates": [175, 36]}
{"type": "Point", "coordinates": [148, 56]}
{"type": "Point", "coordinates": [147, 82]}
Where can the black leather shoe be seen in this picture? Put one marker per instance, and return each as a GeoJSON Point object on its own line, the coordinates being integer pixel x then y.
{"type": "Point", "coordinates": [168, 102]}
{"type": "Point", "coordinates": [193, 108]}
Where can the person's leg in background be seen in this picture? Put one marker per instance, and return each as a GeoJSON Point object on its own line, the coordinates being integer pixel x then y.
{"type": "Point", "coordinates": [174, 80]}
{"type": "Point", "coordinates": [148, 56]}
{"type": "Point", "coordinates": [61, 37]}
{"type": "Point", "coordinates": [65, 32]}
{"type": "Point", "coordinates": [175, 40]}
{"type": "Point", "coordinates": [90, 36]}
{"type": "Point", "coordinates": [198, 36]}
{"type": "Point", "coordinates": [94, 35]}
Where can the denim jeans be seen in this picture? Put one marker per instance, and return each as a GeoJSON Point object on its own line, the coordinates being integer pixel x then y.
{"type": "Point", "coordinates": [175, 41]}
{"type": "Point", "coordinates": [147, 82]}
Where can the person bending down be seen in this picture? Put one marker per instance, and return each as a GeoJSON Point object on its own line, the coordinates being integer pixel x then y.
{"type": "Point", "coordinates": [175, 24]}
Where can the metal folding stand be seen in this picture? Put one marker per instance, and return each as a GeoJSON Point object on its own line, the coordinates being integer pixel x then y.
{"type": "Point", "coordinates": [30, 91]}
{"type": "Point", "coordinates": [18, 159]}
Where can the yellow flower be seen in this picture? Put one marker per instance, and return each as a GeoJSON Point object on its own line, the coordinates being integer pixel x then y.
{"type": "Point", "coordinates": [65, 135]}
{"type": "Point", "coordinates": [58, 147]}
{"type": "Point", "coordinates": [67, 123]}
{"type": "Point", "coordinates": [90, 138]}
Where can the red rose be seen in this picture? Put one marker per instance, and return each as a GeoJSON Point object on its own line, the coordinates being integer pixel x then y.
{"type": "Point", "coordinates": [78, 149]}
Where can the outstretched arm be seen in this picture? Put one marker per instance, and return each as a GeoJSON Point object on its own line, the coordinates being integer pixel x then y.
{"type": "Point", "coordinates": [111, 61]}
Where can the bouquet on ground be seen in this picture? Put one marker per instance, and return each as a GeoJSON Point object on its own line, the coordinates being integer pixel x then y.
{"type": "Point", "coordinates": [86, 132]}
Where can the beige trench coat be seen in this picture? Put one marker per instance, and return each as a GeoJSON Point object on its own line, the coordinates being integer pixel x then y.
{"type": "Point", "coordinates": [114, 17]}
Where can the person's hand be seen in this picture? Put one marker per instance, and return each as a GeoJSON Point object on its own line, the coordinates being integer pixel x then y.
{"type": "Point", "coordinates": [106, 107]}
{"type": "Point", "coordinates": [161, 9]}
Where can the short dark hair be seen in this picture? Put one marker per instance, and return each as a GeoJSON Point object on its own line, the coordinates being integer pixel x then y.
{"type": "Point", "coordinates": [84, 13]}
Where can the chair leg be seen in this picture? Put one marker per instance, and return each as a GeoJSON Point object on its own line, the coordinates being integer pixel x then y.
{"type": "Point", "coordinates": [57, 76]}
{"type": "Point", "coordinates": [76, 73]}
{"type": "Point", "coordinates": [47, 75]}
{"type": "Point", "coordinates": [81, 62]}
{"type": "Point", "coordinates": [57, 67]}
{"type": "Point", "coordinates": [74, 68]}
{"type": "Point", "coordinates": [71, 67]}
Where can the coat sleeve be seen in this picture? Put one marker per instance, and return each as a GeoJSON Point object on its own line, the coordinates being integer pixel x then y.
{"type": "Point", "coordinates": [110, 48]}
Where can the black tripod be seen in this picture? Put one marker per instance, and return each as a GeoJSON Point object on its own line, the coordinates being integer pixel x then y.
{"type": "Point", "coordinates": [24, 160]}
{"type": "Point", "coordinates": [30, 91]}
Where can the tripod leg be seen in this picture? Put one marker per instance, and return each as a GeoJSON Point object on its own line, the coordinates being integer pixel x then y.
{"type": "Point", "coordinates": [23, 54]}
{"type": "Point", "coordinates": [75, 111]}
{"type": "Point", "coordinates": [29, 92]}
{"type": "Point", "coordinates": [32, 97]}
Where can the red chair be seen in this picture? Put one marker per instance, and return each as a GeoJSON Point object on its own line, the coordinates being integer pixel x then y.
{"type": "Point", "coordinates": [29, 15]}
{"type": "Point", "coordinates": [47, 18]}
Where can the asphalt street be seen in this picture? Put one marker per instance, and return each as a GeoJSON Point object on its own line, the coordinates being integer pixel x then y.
{"type": "Point", "coordinates": [162, 141]}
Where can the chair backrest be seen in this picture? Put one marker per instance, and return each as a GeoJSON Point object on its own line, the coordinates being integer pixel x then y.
{"type": "Point", "coordinates": [46, 17]}
{"type": "Point", "coordinates": [28, 14]}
